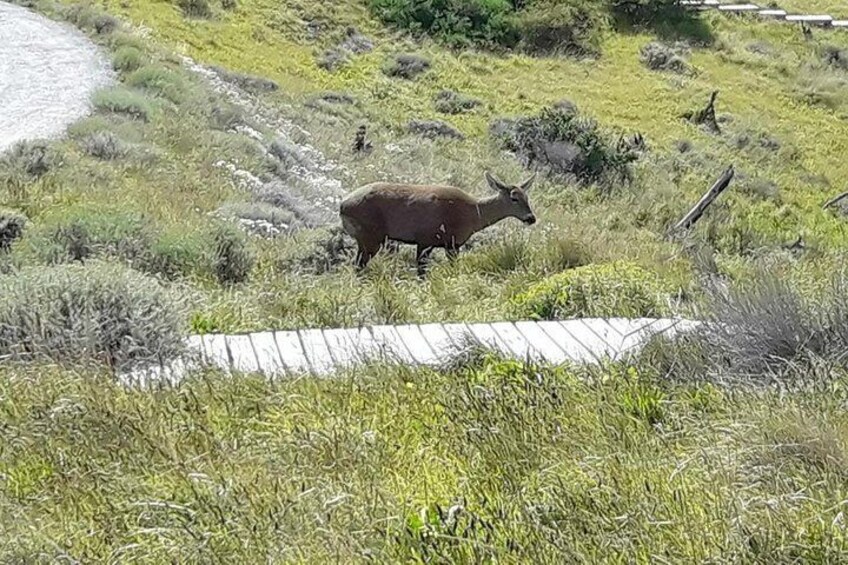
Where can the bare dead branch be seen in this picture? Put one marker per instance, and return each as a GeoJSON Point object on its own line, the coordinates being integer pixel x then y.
{"type": "Point", "coordinates": [698, 210]}
{"type": "Point", "coordinates": [835, 200]}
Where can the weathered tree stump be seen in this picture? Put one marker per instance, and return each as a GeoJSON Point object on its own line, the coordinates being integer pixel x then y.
{"type": "Point", "coordinates": [705, 117]}
{"type": "Point", "coordinates": [698, 210]}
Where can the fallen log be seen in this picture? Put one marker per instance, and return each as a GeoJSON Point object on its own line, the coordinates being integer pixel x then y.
{"type": "Point", "coordinates": [698, 210]}
{"type": "Point", "coordinates": [835, 200]}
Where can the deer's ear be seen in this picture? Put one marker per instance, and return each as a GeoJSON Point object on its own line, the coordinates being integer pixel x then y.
{"type": "Point", "coordinates": [528, 184]}
{"type": "Point", "coordinates": [495, 184]}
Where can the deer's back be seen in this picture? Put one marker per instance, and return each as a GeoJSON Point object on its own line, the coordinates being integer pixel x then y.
{"type": "Point", "coordinates": [411, 213]}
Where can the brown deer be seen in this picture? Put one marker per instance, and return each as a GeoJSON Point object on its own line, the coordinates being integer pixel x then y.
{"type": "Point", "coordinates": [428, 216]}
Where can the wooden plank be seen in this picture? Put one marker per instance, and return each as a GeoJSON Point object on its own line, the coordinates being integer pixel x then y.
{"type": "Point", "coordinates": [640, 331]}
{"type": "Point", "coordinates": [488, 337]}
{"type": "Point", "coordinates": [316, 351]}
{"type": "Point", "coordinates": [738, 8]}
{"type": "Point", "coordinates": [773, 13]}
{"type": "Point", "coordinates": [460, 335]}
{"type": "Point", "coordinates": [547, 347]}
{"type": "Point", "coordinates": [194, 344]}
{"type": "Point", "coordinates": [606, 333]}
{"type": "Point", "coordinates": [242, 355]}
{"type": "Point", "coordinates": [351, 346]}
{"type": "Point", "coordinates": [267, 354]}
{"type": "Point", "coordinates": [517, 343]}
{"type": "Point", "coordinates": [575, 350]}
{"type": "Point", "coordinates": [439, 341]}
{"type": "Point", "coordinates": [840, 24]}
{"type": "Point", "coordinates": [416, 344]}
{"type": "Point", "coordinates": [810, 19]}
{"type": "Point", "coordinates": [215, 350]}
{"type": "Point", "coordinates": [583, 333]}
{"type": "Point", "coordinates": [291, 352]}
{"type": "Point", "coordinates": [391, 346]}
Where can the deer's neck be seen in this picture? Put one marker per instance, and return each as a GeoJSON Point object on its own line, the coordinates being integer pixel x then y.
{"type": "Point", "coordinates": [490, 211]}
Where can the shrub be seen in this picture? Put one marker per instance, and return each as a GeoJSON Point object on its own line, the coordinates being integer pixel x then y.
{"type": "Point", "coordinates": [123, 101]}
{"type": "Point", "coordinates": [232, 260]}
{"type": "Point", "coordinates": [288, 154]}
{"type": "Point", "coordinates": [609, 290]}
{"type": "Point", "coordinates": [251, 83]}
{"type": "Point", "coordinates": [12, 224]}
{"type": "Point", "coordinates": [104, 145]}
{"type": "Point", "coordinates": [450, 102]}
{"type": "Point", "coordinates": [406, 66]}
{"type": "Point", "coordinates": [160, 81]}
{"type": "Point", "coordinates": [766, 325]}
{"type": "Point", "coordinates": [835, 57]}
{"type": "Point", "coordinates": [84, 235]}
{"type": "Point", "coordinates": [127, 59]}
{"type": "Point", "coordinates": [229, 4]}
{"type": "Point", "coordinates": [333, 247]}
{"type": "Point", "coordinates": [552, 26]}
{"type": "Point", "coordinates": [434, 129]}
{"type": "Point", "coordinates": [86, 17]}
{"type": "Point", "coordinates": [563, 143]}
{"type": "Point", "coordinates": [121, 39]}
{"type": "Point", "coordinates": [225, 116]}
{"type": "Point", "coordinates": [97, 312]}
{"type": "Point", "coordinates": [335, 98]}
{"type": "Point", "coordinates": [195, 8]}
{"type": "Point", "coordinates": [32, 159]}
{"type": "Point", "coordinates": [332, 59]}
{"type": "Point", "coordinates": [356, 43]}
{"type": "Point", "coordinates": [660, 57]}
{"type": "Point", "coordinates": [458, 23]}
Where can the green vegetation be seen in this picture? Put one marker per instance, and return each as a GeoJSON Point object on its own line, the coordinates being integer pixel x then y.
{"type": "Point", "coordinates": [171, 171]}
{"type": "Point", "coordinates": [495, 462]}
{"type": "Point", "coordinates": [178, 208]}
{"type": "Point", "coordinates": [98, 312]}
{"type": "Point", "coordinates": [602, 291]}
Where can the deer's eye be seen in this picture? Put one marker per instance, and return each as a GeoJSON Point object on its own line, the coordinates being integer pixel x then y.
{"type": "Point", "coordinates": [514, 197]}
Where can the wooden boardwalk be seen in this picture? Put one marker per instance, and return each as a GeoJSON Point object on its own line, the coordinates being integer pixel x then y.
{"type": "Point", "coordinates": [822, 20]}
{"type": "Point", "coordinates": [322, 352]}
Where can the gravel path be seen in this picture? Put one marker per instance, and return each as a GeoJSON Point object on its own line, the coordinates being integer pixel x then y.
{"type": "Point", "coordinates": [48, 72]}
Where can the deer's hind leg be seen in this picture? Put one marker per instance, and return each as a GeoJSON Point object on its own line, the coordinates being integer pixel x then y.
{"type": "Point", "coordinates": [367, 250]}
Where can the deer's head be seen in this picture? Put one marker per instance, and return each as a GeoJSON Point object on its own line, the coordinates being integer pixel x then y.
{"type": "Point", "coordinates": [515, 198]}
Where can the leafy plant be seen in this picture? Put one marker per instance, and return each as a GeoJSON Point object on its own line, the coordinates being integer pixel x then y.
{"type": "Point", "coordinates": [609, 290]}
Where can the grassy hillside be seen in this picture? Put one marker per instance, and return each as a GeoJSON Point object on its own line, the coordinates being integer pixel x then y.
{"type": "Point", "coordinates": [780, 103]}
{"type": "Point", "coordinates": [185, 205]}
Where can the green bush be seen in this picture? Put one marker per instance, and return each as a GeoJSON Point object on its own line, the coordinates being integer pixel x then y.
{"type": "Point", "coordinates": [12, 224]}
{"type": "Point", "coordinates": [232, 259]}
{"type": "Point", "coordinates": [610, 290]}
{"type": "Point", "coordinates": [553, 26]}
{"type": "Point", "coordinates": [195, 8]}
{"type": "Point", "coordinates": [561, 142]}
{"type": "Point", "coordinates": [28, 159]}
{"type": "Point", "coordinates": [536, 26]}
{"type": "Point", "coordinates": [104, 145]}
{"type": "Point", "coordinates": [459, 23]}
{"type": "Point", "coordinates": [91, 234]}
{"type": "Point", "coordinates": [127, 59]}
{"type": "Point", "coordinates": [123, 101]}
{"type": "Point", "coordinates": [99, 312]}
{"type": "Point", "coordinates": [160, 81]}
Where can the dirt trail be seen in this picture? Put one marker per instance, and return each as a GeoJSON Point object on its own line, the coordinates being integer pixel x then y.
{"type": "Point", "coordinates": [48, 72]}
